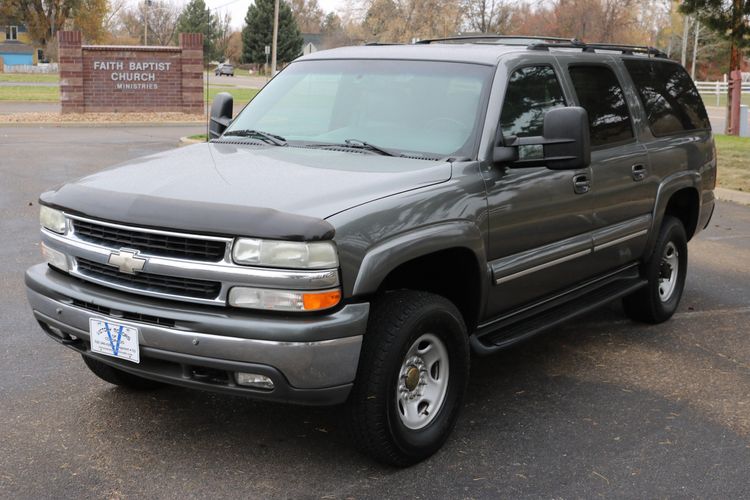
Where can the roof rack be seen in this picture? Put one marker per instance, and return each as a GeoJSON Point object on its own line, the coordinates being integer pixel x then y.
{"type": "Point", "coordinates": [499, 39]}
{"type": "Point", "coordinates": [547, 42]}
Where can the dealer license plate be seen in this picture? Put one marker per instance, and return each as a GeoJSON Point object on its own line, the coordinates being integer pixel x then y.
{"type": "Point", "coordinates": [114, 339]}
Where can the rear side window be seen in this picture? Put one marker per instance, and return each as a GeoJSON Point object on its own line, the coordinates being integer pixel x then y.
{"type": "Point", "coordinates": [531, 92]}
{"type": "Point", "coordinates": [600, 94]}
{"type": "Point", "coordinates": [672, 102]}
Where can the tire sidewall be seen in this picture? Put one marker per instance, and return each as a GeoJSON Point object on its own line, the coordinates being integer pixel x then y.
{"type": "Point", "coordinates": [674, 232]}
{"type": "Point", "coordinates": [449, 329]}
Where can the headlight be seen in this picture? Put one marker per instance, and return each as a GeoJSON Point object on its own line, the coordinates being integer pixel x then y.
{"type": "Point", "coordinates": [286, 254]}
{"type": "Point", "coordinates": [282, 300]}
{"type": "Point", "coordinates": [52, 219]}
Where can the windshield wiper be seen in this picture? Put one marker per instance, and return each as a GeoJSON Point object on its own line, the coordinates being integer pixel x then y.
{"type": "Point", "coordinates": [359, 144]}
{"type": "Point", "coordinates": [274, 139]}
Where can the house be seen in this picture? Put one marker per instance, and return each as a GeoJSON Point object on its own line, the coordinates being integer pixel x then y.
{"type": "Point", "coordinates": [16, 45]}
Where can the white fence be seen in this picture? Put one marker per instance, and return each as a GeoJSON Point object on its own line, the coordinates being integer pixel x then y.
{"type": "Point", "coordinates": [717, 89]}
{"type": "Point", "coordinates": [28, 68]}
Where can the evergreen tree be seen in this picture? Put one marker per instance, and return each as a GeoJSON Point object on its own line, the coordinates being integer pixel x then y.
{"type": "Point", "coordinates": [196, 18]}
{"type": "Point", "coordinates": [258, 32]}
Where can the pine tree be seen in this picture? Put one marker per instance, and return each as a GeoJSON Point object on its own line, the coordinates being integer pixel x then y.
{"type": "Point", "coordinates": [258, 32]}
{"type": "Point", "coordinates": [196, 18]}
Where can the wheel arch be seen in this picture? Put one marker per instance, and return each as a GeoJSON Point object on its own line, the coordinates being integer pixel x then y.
{"type": "Point", "coordinates": [447, 259]}
{"type": "Point", "coordinates": [678, 196]}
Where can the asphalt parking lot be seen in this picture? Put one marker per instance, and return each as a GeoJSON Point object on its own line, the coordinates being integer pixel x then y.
{"type": "Point", "coordinates": [602, 407]}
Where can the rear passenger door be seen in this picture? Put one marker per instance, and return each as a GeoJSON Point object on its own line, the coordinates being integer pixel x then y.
{"type": "Point", "coordinates": [622, 186]}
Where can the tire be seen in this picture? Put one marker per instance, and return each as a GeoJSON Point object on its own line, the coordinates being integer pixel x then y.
{"type": "Point", "coordinates": [412, 338]}
{"type": "Point", "coordinates": [657, 302]}
{"type": "Point", "coordinates": [119, 377]}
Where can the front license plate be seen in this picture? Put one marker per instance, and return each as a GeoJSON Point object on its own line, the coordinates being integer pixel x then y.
{"type": "Point", "coordinates": [114, 339]}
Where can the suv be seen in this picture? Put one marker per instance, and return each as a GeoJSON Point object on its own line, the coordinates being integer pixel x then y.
{"type": "Point", "coordinates": [224, 69]}
{"type": "Point", "coordinates": [374, 216]}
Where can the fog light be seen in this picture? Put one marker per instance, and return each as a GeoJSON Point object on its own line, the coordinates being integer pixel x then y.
{"type": "Point", "coordinates": [54, 257]}
{"type": "Point", "coordinates": [255, 380]}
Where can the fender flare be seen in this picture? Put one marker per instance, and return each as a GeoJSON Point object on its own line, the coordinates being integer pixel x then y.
{"type": "Point", "coordinates": [668, 187]}
{"type": "Point", "coordinates": [387, 255]}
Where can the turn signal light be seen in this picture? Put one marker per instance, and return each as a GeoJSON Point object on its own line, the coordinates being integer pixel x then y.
{"type": "Point", "coordinates": [321, 300]}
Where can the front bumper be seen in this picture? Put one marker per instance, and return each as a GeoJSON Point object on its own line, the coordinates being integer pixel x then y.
{"type": "Point", "coordinates": [311, 360]}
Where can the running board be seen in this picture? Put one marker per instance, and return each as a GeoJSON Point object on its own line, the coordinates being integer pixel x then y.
{"type": "Point", "coordinates": [524, 324]}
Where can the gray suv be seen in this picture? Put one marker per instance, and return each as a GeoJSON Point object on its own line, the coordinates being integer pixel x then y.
{"type": "Point", "coordinates": [375, 216]}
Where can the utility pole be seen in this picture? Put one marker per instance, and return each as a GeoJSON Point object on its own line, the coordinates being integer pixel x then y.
{"type": "Point", "coordinates": [275, 40]}
{"type": "Point", "coordinates": [695, 47]}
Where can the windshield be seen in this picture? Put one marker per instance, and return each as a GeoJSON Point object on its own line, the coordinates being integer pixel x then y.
{"type": "Point", "coordinates": [406, 106]}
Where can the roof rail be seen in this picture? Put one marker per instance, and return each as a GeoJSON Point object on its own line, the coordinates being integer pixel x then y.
{"type": "Point", "coordinates": [499, 39]}
{"type": "Point", "coordinates": [547, 42]}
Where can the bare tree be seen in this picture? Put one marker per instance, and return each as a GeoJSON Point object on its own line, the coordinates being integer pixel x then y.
{"type": "Point", "coordinates": [488, 16]}
{"type": "Point", "coordinates": [162, 21]}
{"type": "Point", "coordinates": [308, 14]}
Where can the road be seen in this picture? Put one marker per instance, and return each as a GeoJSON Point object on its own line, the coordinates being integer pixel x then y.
{"type": "Point", "coordinates": [601, 407]}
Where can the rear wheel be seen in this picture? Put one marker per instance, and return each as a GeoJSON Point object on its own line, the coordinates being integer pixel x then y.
{"type": "Point", "coordinates": [665, 271]}
{"type": "Point", "coordinates": [119, 377]}
{"type": "Point", "coordinates": [411, 378]}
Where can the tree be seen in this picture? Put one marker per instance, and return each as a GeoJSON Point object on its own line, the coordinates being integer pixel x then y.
{"type": "Point", "coordinates": [308, 14]}
{"type": "Point", "coordinates": [222, 36]}
{"type": "Point", "coordinates": [196, 18]}
{"type": "Point", "coordinates": [258, 32]}
{"type": "Point", "coordinates": [488, 16]}
{"type": "Point", "coordinates": [162, 22]}
{"type": "Point", "coordinates": [730, 20]}
{"type": "Point", "coordinates": [44, 18]}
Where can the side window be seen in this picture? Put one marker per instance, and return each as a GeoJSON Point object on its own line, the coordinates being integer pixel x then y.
{"type": "Point", "coordinates": [531, 92]}
{"type": "Point", "coordinates": [672, 102]}
{"type": "Point", "coordinates": [600, 94]}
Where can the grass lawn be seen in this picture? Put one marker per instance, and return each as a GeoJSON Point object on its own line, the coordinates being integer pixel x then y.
{"type": "Point", "coordinates": [198, 137]}
{"type": "Point", "coordinates": [710, 99]}
{"type": "Point", "coordinates": [29, 78]}
{"type": "Point", "coordinates": [734, 162]}
{"type": "Point", "coordinates": [38, 94]}
{"type": "Point", "coordinates": [241, 95]}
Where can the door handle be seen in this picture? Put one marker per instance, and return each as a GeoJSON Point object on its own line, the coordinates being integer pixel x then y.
{"type": "Point", "coordinates": [581, 184]}
{"type": "Point", "coordinates": [639, 172]}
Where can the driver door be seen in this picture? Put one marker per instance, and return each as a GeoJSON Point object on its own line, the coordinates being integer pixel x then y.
{"type": "Point", "coordinates": [540, 220]}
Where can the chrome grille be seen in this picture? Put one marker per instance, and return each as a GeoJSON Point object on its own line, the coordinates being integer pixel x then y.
{"type": "Point", "coordinates": [171, 285]}
{"type": "Point", "coordinates": [163, 245]}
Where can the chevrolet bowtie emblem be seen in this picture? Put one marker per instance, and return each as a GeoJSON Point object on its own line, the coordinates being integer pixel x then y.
{"type": "Point", "coordinates": [127, 262]}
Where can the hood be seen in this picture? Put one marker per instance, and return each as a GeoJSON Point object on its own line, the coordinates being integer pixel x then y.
{"type": "Point", "coordinates": [243, 190]}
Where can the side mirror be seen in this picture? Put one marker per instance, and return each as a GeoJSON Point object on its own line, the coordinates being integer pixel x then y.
{"type": "Point", "coordinates": [221, 114]}
{"type": "Point", "coordinates": [567, 139]}
{"type": "Point", "coordinates": [566, 142]}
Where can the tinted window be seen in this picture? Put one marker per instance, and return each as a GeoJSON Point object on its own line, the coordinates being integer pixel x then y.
{"type": "Point", "coordinates": [600, 94]}
{"type": "Point", "coordinates": [671, 100]}
{"type": "Point", "coordinates": [531, 92]}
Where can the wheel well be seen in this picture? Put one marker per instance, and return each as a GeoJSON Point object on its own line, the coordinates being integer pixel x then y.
{"type": "Point", "coordinates": [684, 205]}
{"type": "Point", "coordinates": [452, 273]}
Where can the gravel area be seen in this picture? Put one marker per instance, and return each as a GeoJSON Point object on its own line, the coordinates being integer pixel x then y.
{"type": "Point", "coordinates": [102, 118]}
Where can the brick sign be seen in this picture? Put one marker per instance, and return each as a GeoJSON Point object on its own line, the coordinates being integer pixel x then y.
{"type": "Point", "coordinates": [113, 79]}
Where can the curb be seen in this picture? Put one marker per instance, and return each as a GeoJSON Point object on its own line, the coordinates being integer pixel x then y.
{"type": "Point", "coordinates": [101, 124]}
{"type": "Point", "coordinates": [184, 141]}
{"type": "Point", "coordinates": [732, 195]}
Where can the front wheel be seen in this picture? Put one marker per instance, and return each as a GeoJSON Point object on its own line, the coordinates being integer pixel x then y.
{"type": "Point", "coordinates": [665, 271]}
{"type": "Point", "coordinates": [411, 379]}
